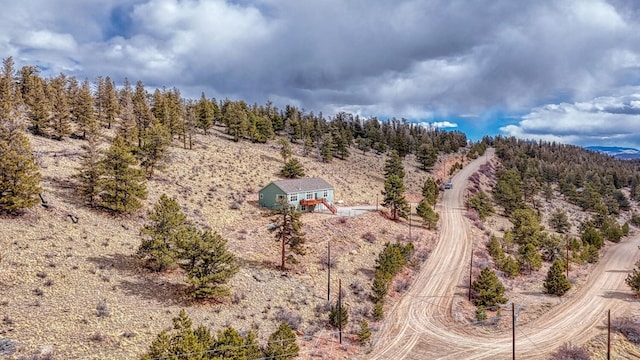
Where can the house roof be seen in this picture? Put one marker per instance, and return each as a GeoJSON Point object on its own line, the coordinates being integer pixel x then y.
{"type": "Point", "coordinates": [305, 184]}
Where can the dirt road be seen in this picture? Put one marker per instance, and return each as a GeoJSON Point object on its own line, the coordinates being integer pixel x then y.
{"type": "Point", "coordinates": [422, 326]}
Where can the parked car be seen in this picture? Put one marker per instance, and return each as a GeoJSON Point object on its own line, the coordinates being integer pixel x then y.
{"type": "Point", "coordinates": [448, 185]}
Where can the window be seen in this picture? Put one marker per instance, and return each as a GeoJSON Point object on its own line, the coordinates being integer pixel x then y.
{"type": "Point", "coordinates": [303, 208]}
{"type": "Point", "coordinates": [280, 197]}
{"type": "Point", "coordinates": [293, 197]}
{"type": "Point", "coordinates": [261, 196]}
{"type": "Point", "coordinates": [309, 195]}
{"type": "Point", "coordinates": [325, 194]}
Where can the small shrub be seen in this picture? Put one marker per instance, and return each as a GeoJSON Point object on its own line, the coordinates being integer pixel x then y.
{"type": "Point", "coordinates": [38, 291]}
{"type": "Point", "coordinates": [402, 285]}
{"type": "Point", "coordinates": [369, 237]}
{"type": "Point", "coordinates": [41, 274]}
{"type": "Point", "coordinates": [570, 352]}
{"type": "Point", "coordinates": [364, 335]}
{"type": "Point", "coordinates": [49, 282]}
{"type": "Point", "coordinates": [337, 318]}
{"type": "Point", "coordinates": [378, 311]}
{"type": "Point", "coordinates": [356, 287]}
{"type": "Point", "coordinates": [630, 328]}
{"type": "Point", "coordinates": [97, 337]}
{"type": "Point", "coordinates": [481, 313]}
{"type": "Point", "coordinates": [292, 319]}
{"type": "Point", "coordinates": [6, 320]}
{"type": "Point", "coordinates": [102, 310]}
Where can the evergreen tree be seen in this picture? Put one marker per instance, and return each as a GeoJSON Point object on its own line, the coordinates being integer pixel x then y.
{"type": "Point", "coordinates": [559, 221]}
{"type": "Point", "coordinates": [427, 156]}
{"type": "Point", "coordinates": [207, 261]}
{"type": "Point", "coordinates": [61, 114]}
{"type": "Point", "coordinates": [633, 279]}
{"type": "Point", "coordinates": [154, 148]}
{"type": "Point", "coordinates": [529, 258]}
{"type": "Point", "coordinates": [282, 344]}
{"type": "Point", "coordinates": [364, 334]}
{"type": "Point", "coordinates": [158, 246]}
{"type": "Point", "coordinates": [204, 114]}
{"type": "Point", "coordinates": [236, 120]}
{"type": "Point", "coordinates": [393, 166]}
{"type": "Point", "coordinates": [292, 169]}
{"type": "Point", "coordinates": [230, 344]}
{"type": "Point", "coordinates": [111, 105]}
{"type": "Point", "coordinates": [526, 225]}
{"type": "Point", "coordinates": [338, 316]}
{"type": "Point", "coordinates": [285, 149]}
{"type": "Point", "coordinates": [326, 149]}
{"type": "Point", "coordinates": [288, 231]}
{"type": "Point", "coordinates": [183, 342]}
{"type": "Point", "coordinates": [487, 290]}
{"type": "Point", "coordinates": [508, 190]}
{"type": "Point", "coordinates": [141, 111]}
{"type": "Point", "coordinates": [123, 183]}
{"type": "Point", "coordinates": [84, 112]}
{"type": "Point", "coordinates": [481, 203]}
{"type": "Point", "coordinates": [394, 197]}
{"type": "Point", "coordinates": [556, 282]}
{"type": "Point", "coordinates": [591, 236]}
{"type": "Point", "coordinates": [340, 144]}
{"type": "Point", "coordinates": [128, 129]}
{"type": "Point", "coordinates": [428, 215]}
{"type": "Point", "coordinates": [89, 171]}
{"type": "Point", "coordinates": [19, 174]}
{"type": "Point", "coordinates": [9, 92]}
{"type": "Point", "coordinates": [430, 191]}
{"type": "Point", "coordinates": [39, 108]}
{"type": "Point", "coordinates": [261, 129]}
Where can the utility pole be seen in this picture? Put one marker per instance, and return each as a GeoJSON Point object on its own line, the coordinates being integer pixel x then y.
{"type": "Point", "coordinates": [328, 270]}
{"type": "Point", "coordinates": [470, 271]}
{"type": "Point", "coordinates": [609, 335]}
{"type": "Point", "coordinates": [409, 221]}
{"type": "Point", "coordinates": [513, 325]}
{"type": "Point", "coordinates": [284, 234]}
{"type": "Point", "coordinates": [567, 259]}
{"type": "Point", "coordinates": [340, 308]}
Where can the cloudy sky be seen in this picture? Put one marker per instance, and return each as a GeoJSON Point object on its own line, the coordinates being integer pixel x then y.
{"type": "Point", "coordinates": [553, 69]}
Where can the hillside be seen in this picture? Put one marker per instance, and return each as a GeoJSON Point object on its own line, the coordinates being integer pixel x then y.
{"type": "Point", "coordinates": [55, 273]}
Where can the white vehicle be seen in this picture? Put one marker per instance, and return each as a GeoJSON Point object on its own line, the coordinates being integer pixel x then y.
{"type": "Point", "coordinates": [448, 185]}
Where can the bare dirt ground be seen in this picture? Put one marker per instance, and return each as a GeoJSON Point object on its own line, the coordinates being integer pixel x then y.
{"type": "Point", "coordinates": [426, 324]}
{"type": "Point", "coordinates": [56, 275]}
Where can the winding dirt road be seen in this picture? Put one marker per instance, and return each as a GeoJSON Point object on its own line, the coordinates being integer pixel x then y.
{"type": "Point", "coordinates": [422, 326]}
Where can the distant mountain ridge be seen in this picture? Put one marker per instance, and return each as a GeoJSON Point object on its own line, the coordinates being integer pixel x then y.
{"type": "Point", "coordinates": [622, 153]}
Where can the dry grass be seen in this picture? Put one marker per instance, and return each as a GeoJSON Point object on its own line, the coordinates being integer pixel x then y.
{"type": "Point", "coordinates": [74, 290]}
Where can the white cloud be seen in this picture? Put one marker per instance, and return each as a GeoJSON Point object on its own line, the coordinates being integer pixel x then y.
{"type": "Point", "coordinates": [604, 120]}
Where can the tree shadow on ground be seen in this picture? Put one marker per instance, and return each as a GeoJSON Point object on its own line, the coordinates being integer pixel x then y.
{"type": "Point", "coordinates": [620, 295]}
{"type": "Point", "coordinates": [138, 282]}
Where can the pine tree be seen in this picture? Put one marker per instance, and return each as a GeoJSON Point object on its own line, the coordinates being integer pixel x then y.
{"type": "Point", "coordinates": [61, 114]}
{"type": "Point", "coordinates": [141, 111]}
{"type": "Point", "coordinates": [529, 258]}
{"type": "Point", "coordinates": [393, 166]}
{"type": "Point", "coordinates": [285, 149]}
{"type": "Point", "coordinates": [430, 191]}
{"type": "Point", "coordinates": [89, 171]}
{"type": "Point", "coordinates": [85, 116]}
{"type": "Point", "coordinates": [282, 344]}
{"type": "Point", "coordinates": [481, 203]}
{"type": "Point", "coordinates": [633, 279]}
{"type": "Point", "coordinates": [123, 183]}
{"type": "Point", "coordinates": [128, 129]}
{"type": "Point", "coordinates": [487, 290]}
{"type": "Point", "coordinates": [338, 316]}
{"type": "Point", "coordinates": [394, 197]}
{"type": "Point", "coordinates": [237, 121]}
{"type": "Point", "coordinates": [9, 92]}
{"type": "Point", "coordinates": [427, 156]}
{"type": "Point", "coordinates": [556, 282]}
{"type": "Point", "coordinates": [154, 147]}
{"type": "Point", "coordinates": [19, 174]}
{"type": "Point", "coordinates": [204, 114]}
{"type": "Point", "coordinates": [428, 215]}
{"type": "Point", "coordinates": [364, 334]}
{"type": "Point", "coordinates": [559, 221]}
{"type": "Point", "coordinates": [526, 225]}
{"type": "Point", "coordinates": [508, 190]}
{"type": "Point", "coordinates": [183, 342]}
{"type": "Point", "coordinates": [288, 231]}
{"type": "Point", "coordinates": [230, 344]}
{"type": "Point", "coordinates": [292, 169]}
{"type": "Point", "coordinates": [110, 104]}
{"type": "Point", "coordinates": [158, 246]}
{"type": "Point", "coordinates": [326, 149]}
{"type": "Point", "coordinates": [39, 111]}
{"type": "Point", "coordinates": [207, 261]}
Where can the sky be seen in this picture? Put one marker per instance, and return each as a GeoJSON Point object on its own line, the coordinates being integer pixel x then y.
{"type": "Point", "coordinates": [558, 70]}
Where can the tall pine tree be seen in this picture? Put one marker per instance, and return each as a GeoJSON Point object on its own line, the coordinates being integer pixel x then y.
{"type": "Point", "coordinates": [123, 182]}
